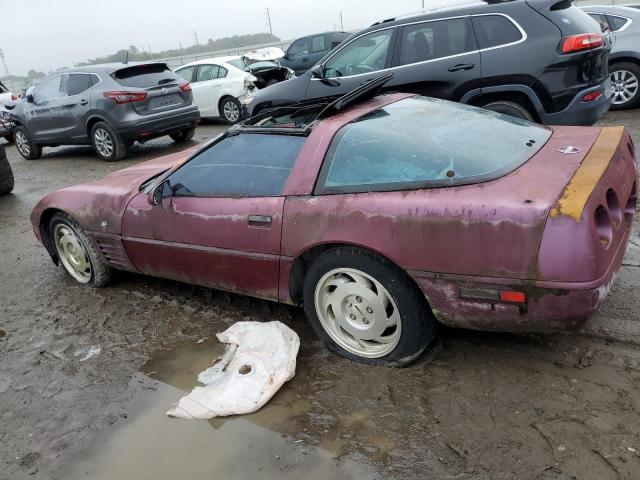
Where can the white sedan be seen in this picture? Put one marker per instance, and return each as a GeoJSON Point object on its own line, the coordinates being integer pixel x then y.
{"type": "Point", "coordinates": [220, 84]}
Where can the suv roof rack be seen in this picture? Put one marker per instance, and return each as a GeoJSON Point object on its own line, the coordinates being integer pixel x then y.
{"type": "Point", "coordinates": [450, 6]}
{"type": "Point", "coordinates": [308, 113]}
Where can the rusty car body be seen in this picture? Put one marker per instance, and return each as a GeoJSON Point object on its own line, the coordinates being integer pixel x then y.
{"type": "Point", "coordinates": [533, 248]}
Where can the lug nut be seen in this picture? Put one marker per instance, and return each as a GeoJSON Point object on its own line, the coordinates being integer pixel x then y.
{"type": "Point", "coordinates": [352, 316]}
{"type": "Point", "coordinates": [359, 299]}
{"type": "Point", "coordinates": [369, 310]}
{"type": "Point", "coordinates": [348, 304]}
{"type": "Point", "coordinates": [365, 321]}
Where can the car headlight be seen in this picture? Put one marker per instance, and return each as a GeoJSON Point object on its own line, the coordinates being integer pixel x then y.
{"type": "Point", "coordinates": [248, 85]}
{"type": "Point", "coordinates": [290, 74]}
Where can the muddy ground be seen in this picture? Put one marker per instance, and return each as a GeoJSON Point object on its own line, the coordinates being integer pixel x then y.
{"type": "Point", "coordinates": [477, 405]}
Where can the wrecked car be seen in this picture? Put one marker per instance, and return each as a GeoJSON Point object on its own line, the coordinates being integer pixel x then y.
{"type": "Point", "coordinates": [220, 84]}
{"type": "Point", "coordinates": [382, 215]}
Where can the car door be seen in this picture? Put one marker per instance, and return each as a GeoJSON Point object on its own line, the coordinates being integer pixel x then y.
{"type": "Point", "coordinates": [219, 223]}
{"type": "Point", "coordinates": [75, 105]}
{"type": "Point", "coordinates": [207, 87]}
{"type": "Point", "coordinates": [361, 60]}
{"type": "Point", "coordinates": [437, 58]}
{"type": "Point", "coordinates": [43, 114]}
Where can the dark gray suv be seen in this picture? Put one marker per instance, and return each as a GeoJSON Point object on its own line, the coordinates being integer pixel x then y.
{"type": "Point", "coordinates": [107, 106]}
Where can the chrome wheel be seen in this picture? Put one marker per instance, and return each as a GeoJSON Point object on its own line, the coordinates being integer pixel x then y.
{"type": "Point", "coordinates": [22, 143]}
{"type": "Point", "coordinates": [72, 253]}
{"type": "Point", "coordinates": [103, 142]}
{"type": "Point", "coordinates": [358, 313]}
{"type": "Point", "coordinates": [624, 85]}
{"type": "Point", "coordinates": [231, 111]}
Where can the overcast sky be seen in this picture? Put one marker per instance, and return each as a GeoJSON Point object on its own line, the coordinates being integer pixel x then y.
{"type": "Point", "coordinates": [46, 34]}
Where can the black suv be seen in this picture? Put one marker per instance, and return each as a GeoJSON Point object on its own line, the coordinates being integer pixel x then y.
{"type": "Point", "coordinates": [107, 106]}
{"type": "Point", "coordinates": [542, 60]}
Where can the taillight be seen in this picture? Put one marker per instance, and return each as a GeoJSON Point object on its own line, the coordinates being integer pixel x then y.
{"type": "Point", "coordinates": [583, 41]}
{"type": "Point", "coordinates": [14, 98]}
{"type": "Point", "coordinates": [126, 97]}
{"type": "Point", "coordinates": [185, 87]}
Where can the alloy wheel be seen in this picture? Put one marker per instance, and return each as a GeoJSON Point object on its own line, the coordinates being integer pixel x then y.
{"type": "Point", "coordinates": [22, 143]}
{"type": "Point", "coordinates": [231, 111]}
{"type": "Point", "coordinates": [103, 142]}
{"type": "Point", "coordinates": [358, 313]}
{"type": "Point", "coordinates": [624, 85]}
{"type": "Point", "coordinates": [72, 253]}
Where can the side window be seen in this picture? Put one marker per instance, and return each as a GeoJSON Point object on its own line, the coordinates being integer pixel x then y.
{"type": "Point", "coordinates": [207, 72]}
{"type": "Point", "coordinates": [186, 73]}
{"type": "Point", "coordinates": [366, 54]}
{"type": "Point", "coordinates": [433, 40]}
{"type": "Point", "coordinates": [318, 44]}
{"type": "Point", "coordinates": [617, 23]}
{"type": "Point", "coordinates": [222, 72]}
{"type": "Point", "coordinates": [94, 79]}
{"type": "Point", "coordinates": [602, 21]}
{"type": "Point", "coordinates": [495, 30]}
{"type": "Point", "coordinates": [78, 83]}
{"type": "Point", "coordinates": [299, 48]}
{"type": "Point", "coordinates": [48, 89]}
{"type": "Point", "coordinates": [244, 165]}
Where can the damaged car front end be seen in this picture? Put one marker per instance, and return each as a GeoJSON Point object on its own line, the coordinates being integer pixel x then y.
{"type": "Point", "coordinates": [264, 65]}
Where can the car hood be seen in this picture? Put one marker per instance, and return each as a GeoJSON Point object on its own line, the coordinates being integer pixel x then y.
{"type": "Point", "coordinates": [268, 54]}
{"type": "Point", "coordinates": [98, 206]}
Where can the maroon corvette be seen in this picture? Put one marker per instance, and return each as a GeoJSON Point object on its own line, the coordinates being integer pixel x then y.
{"type": "Point", "coordinates": [382, 216]}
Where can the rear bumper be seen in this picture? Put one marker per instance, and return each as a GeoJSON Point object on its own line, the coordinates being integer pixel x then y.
{"type": "Point", "coordinates": [144, 128]}
{"type": "Point", "coordinates": [550, 306]}
{"type": "Point", "coordinates": [582, 113]}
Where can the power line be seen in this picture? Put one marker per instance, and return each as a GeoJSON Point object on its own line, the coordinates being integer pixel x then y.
{"type": "Point", "coordinates": [341, 22]}
{"type": "Point", "coordinates": [268, 19]}
{"type": "Point", "coordinates": [195, 34]}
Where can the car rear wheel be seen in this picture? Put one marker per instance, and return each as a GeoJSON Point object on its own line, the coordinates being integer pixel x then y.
{"type": "Point", "coordinates": [510, 108]}
{"type": "Point", "coordinates": [230, 110]}
{"type": "Point", "coordinates": [366, 309]}
{"type": "Point", "coordinates": [6, 174]}
{"type": "Point", "coordinates": [26, 144]}
{"type": "Point", "coordinates": [107, 143]}
{"type": "Point", "coordinates": [625, 82]}
{"type": "Point", "coordinates": [77, 253]}
{"type": "Point", "coordinates": [183, 136]}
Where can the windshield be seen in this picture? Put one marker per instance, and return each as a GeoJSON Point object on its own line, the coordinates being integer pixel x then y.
{"type": "Point", "coordinates": [423, 142]}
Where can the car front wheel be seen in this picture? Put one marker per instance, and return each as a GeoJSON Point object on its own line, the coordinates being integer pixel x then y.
{"type": "Point", "coordinates": [625, 82]}
{"type": "Point", "coordinates": [107, 143]}
{"type": "Point", "coordinates": [230, 110]}
{"type": "Point", "coordinates": [366, 309]}
{"type": "Point", "coordinates": [26, 144]}
{"type": "Point", "coordinates": [77, 253]}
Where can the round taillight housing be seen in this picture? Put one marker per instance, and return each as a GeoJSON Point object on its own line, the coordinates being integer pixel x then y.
{"type": "Point", "coordinates": [613, 205]}
{"type": "Point", "coordinates": [603, 226]}
{"type": "Point", "coordinates": [630, 208]}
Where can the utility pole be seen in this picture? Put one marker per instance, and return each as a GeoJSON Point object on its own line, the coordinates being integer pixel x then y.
{"type": "Point", "coordinates": [195, 34]}
{"type": "Point", "coordinates": [3, 62]}
{"type": "Point", "coordinates": [268, 18]}
{"type": "Point", "coordinates": [423, 4]}
{"type": "Point", "coordinates": [342, 24]}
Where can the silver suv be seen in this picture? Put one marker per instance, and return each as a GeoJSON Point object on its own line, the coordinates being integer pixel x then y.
{"type": "Point", "coordinates": [107, 106]}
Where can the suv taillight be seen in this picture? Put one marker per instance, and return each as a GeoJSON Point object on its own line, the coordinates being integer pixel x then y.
{"type": "Point", "coordinates": [126, 97]}
{"type": "Point", "coordinates": [14, 98]}
{"type": "Point", "coordinates": [185, 87]}
{"type": "Point", "coordinates": [583, 41]}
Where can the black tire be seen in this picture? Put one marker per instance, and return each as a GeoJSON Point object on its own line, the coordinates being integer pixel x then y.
{"type": "Point", "coordinates": [633, 70]}
{"type": "Point", "coordinates": [510, 108]}
{"type": "Point", "coordinates": [104, 140]}
{"type": "Point", "coordinates": [418, 323]}
{"type": "Point", "coordinates": [234, 106]}
{"type": "Point", "coordinates": [26, 144]}
{"type": "Point", "coordinates": [183, 136]}
{"type": "Point", "coordinates": [100, 271]}
{"type": "Point", "coordinates": [6, 174]}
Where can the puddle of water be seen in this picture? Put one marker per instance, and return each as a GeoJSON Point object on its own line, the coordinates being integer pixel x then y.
{"type": "Point", "coordinates": [260, 445]}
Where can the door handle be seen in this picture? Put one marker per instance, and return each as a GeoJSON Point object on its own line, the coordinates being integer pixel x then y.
{"type": "Point", "coordinates": [83, 102]}
{"type": "Point", "coordinates": [260, 220]}
{"type": "Point", "coordinates": [461, 66]}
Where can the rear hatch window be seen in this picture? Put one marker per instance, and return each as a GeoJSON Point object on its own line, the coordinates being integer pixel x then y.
{"type": "Point", "coordinates": [567, 17]}
{"type": "Point", "coordinates": [145, 76]}
{"type": "Point", "coordinates": [422, 142]}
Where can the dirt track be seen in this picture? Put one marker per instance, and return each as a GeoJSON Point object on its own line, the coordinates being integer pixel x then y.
{"type": "Point", "coordinates": [484, 406]}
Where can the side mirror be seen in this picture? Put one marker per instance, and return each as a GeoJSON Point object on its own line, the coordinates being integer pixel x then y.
{"type": "Point", "coordinates": [317, 71]}
{"type": "Point", "coordinates": [163, 190]}
{"type": "Point", "coordinates": [30, 98]}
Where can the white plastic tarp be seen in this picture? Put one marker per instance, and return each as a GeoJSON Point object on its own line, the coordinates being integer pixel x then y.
{"type": "Point", "coordinates": [259, 359]}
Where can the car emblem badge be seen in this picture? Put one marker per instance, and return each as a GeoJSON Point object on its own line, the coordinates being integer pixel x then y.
{"type": "Point", "coordinates": [104, 224]}
{"type": "Point", "coordinates": [164, 90]}
{"type": "Point", "coordinates": [569, 149]}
